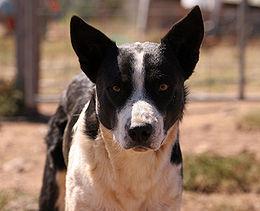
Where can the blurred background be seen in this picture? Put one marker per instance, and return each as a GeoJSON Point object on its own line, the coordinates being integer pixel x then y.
{"type": "Point", "coordinates": [220, 133]}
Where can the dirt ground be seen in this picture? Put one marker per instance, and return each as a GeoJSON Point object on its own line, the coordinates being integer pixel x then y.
{"type": "Point", "coordinates": [207, 127]}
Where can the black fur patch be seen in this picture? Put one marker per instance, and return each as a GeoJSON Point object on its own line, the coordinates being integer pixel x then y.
{"type": "Point", "coordinates": [91, 121]}
{"type": "Point", "coordinates": [116, 71]}
{"type": "Point", "coordinates": [184, 40]}
{"type": "Point", "coordinates": [90, 45]}
{"type": "Point", "coordinates": [49, 190]}
{"type": "Point", "coordinates": [176, 155]}
{"type": "Point", "coordinates": [54, 139]}
{"type": "Point", "coordinates": [159, 69]}
{"type": "Point", "coordinates": [54, 161]}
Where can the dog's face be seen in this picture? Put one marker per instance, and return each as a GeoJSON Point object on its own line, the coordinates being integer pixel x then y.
{"type": "Point", "coordinates": [140, 87]}
{"type": "Point", "coordinates": [140, 95]}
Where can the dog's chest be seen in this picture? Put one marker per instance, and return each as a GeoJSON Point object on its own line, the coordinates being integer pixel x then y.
{"type": "Point", "coordinates": [97, 180]}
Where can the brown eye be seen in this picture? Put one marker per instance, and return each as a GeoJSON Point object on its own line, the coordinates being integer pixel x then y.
{"type": "Point", "coordinates": [163, 87]}
{"type": "Point", "coordinates": [116, 88]}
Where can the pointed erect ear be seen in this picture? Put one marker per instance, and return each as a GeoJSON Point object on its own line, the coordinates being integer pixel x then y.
{"type": "Point", "coordinates": [184, 39]}
{"type": "Point", "coordinates": [90, 45]}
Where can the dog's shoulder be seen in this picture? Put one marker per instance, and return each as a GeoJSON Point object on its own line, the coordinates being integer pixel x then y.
{"type": "Point", "coordinates": [77, 94]}
{"type": "Point", "coordinates": [80, 92]}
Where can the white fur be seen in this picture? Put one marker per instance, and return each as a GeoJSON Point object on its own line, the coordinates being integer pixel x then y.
{"type": "Point", "coordinates": [138, 75]}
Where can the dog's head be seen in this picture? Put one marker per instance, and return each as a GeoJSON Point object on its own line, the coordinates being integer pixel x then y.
{"type": "Point", "coordinates": [140, 87]}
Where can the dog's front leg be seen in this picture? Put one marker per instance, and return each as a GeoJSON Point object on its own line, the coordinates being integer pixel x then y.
{"type": "Point", "coordinates": [74, 181]}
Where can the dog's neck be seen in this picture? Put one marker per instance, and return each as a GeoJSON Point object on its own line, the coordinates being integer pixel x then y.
{"type": "Point", "coordinates": [141, 168]}
{"type": "Point", "coordinates": [130, 178]}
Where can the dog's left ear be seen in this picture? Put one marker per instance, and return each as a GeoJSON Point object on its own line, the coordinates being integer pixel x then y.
{"type": "Point", "coordinates": [184, 39]}
{"type": "Point", "coordinates": [90, 45]}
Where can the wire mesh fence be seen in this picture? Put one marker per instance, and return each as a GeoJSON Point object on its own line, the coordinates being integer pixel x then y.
{"type": "Point", "coordinates": [216, 75]}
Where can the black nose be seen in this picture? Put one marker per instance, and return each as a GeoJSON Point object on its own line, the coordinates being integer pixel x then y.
{"type": "Point", "coordinates": [140, 133]}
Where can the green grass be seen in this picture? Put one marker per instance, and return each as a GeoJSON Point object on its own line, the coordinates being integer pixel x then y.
{"type": "Point", "coordinates": [250, 120]}
{"type": "Point", "coordinates": [11, 100]}
{"type": "Point", "coordinates": [232, 207]}
{"type": "Point", "coordinates": [212, 173]}
{"type": "Point", "coordinates": [16, 199]}
{"type": "Point", "coordinates": [4, 199]}
{"type": "Point", "coordinates": [7, 52]}
{"type": "Point", "coordinates": [7, 57]}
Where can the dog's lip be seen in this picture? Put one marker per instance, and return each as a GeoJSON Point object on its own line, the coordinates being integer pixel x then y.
{"type": "Point", "coordinates": [140, 148]}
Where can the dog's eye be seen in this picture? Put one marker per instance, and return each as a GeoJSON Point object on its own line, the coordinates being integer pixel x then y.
{"type": "Point", "coordinates": [116, 88]}
{"type": "Point", "coordinates": [163, 87]}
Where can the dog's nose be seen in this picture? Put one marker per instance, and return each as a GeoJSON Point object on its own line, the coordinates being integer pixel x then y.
{"type": "Point", "coordinates": [140, 133]}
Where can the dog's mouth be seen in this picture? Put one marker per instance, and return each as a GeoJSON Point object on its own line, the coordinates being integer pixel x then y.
{"type": "Point", "coordinates": [144, 147]}
{"type": "Point", "coordinates": [140, 148]}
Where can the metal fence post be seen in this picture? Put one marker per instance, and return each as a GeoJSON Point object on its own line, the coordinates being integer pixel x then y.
{"type": "Point", "coordinates": [242, 11]}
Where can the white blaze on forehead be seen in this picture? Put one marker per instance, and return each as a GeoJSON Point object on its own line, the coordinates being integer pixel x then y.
{"type": "Point", "coordinates": [139, 72]}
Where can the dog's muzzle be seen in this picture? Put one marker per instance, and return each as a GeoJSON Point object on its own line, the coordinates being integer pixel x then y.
{"type": "Point", "coordinates": [140, 136]}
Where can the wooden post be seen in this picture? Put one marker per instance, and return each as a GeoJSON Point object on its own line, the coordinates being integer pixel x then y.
{"type": "Point", "coordinates": [27, 53]}
{"type": "Point", "coordinates": [142, 16]}
{"type": "Point", "coordinates": [130, 10]}
{"type": "Point", "coordinates": [215, 16]}
{"type": "Point", "coordinates": [242, 10]}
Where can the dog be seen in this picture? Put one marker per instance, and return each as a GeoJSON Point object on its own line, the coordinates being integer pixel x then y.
{"type": "Point", "coordinates": [113, 143]}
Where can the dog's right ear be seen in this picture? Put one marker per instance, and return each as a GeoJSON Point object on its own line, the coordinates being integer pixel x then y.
{"type": "Point", "coordinates": [184, 39]}
{"type": "Point", "coordinates": [90, 45]}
